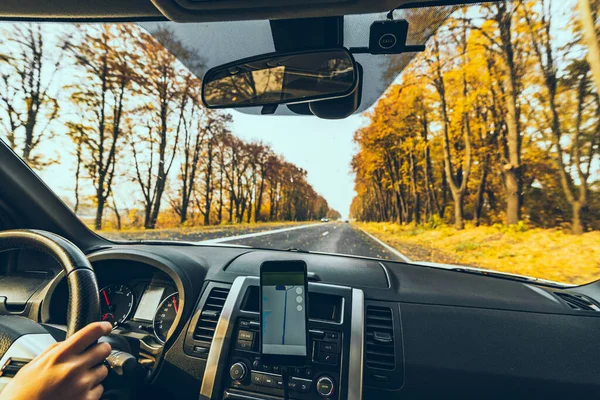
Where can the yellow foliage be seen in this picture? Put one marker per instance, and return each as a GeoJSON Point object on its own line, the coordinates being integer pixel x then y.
{"type": "Point", "coordinates": [549, 254]}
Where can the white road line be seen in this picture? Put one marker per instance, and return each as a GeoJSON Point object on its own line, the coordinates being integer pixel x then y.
{"type": "Point", "coordinates": [251, 235]}
{"type": "Point", "coordinates": [388, 247]}
{"type": "Point", "coordinates": [325, 233]}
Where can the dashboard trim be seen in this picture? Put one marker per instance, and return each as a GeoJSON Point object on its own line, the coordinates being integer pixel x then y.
{"type": "Point", "coordinates": [220, 338]}
{"type": "Point", "coordinates": [357, 340]}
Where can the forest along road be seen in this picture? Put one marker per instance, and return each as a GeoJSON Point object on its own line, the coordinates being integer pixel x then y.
{"type": "Point", "coordinates": [332, 237]}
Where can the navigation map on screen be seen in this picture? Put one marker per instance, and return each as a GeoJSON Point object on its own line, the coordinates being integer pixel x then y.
{"type": "Point", "coordinates": [283, 314]}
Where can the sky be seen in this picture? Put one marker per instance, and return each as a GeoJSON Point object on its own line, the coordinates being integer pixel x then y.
{"type": "Point", "coordinates": [324, 148]}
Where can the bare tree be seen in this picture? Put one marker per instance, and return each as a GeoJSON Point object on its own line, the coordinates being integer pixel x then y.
{"type": "Point", "coordinates": [28, 97]}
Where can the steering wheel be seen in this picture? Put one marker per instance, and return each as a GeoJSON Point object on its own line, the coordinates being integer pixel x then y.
{"type": "Point", "coordinates": [21, 338]}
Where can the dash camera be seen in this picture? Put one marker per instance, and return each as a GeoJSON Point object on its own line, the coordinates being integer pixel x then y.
{"type": "Point", "coordinates": [388, 37]}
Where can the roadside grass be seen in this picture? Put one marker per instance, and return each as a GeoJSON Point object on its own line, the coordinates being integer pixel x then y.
{"type": "Point", "coordinates": [180, 233]}
{"type": "Point", "coordinates": [549, 254]}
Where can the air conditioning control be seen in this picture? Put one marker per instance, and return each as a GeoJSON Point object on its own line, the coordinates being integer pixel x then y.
{"type": "Point", "coordinates": [238, 371]}
{"type": "Point", "coordinates": [325, 386]}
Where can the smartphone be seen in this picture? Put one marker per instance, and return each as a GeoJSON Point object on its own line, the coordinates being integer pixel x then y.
{"type": "Point", "coordinates": [283, 313]}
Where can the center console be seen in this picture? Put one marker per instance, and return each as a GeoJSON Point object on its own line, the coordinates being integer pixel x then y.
{"type": "Point", "coordinates": [234, 369]}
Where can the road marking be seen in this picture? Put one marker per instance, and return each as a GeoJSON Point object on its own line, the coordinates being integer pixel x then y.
{"type": "Point", "coordinates": [325, 233]}
{"type": "Point", "coordinates": [388, 247]}
{"type": "Point", "coordinates": [257, 234]}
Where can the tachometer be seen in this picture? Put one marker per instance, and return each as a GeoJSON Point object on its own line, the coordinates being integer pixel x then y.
{"type": "Point", "coordinates": [116, 302]}
{"type": "Point", "coordinates": [165, 316]}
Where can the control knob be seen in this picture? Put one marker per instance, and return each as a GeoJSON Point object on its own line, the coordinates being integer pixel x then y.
{"type": "Point", "coordinates": [325, 386]}
{"type": "Point", "coordinates": [238, 371]}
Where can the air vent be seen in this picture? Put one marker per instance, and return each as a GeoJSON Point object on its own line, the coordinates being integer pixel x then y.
{"type": "Point", "coordinates": [379, 345]}
{"type": "Point", "coordinates": [207, 323]}
{"type": "Point", "coordinates": [578, 302]}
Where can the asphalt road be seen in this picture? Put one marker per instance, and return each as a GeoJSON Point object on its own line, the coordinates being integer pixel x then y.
{"type": "Point", "coordinates": [330, 237]}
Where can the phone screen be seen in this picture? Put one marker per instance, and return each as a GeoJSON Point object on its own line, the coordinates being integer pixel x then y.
{"type": "Point", "coordinates": [283, 312]}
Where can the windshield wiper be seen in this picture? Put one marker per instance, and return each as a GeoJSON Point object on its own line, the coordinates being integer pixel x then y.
{"type": "Point", "coordinates": [506, 276]}
{"type": "Point", "coordinates": [297, 250]}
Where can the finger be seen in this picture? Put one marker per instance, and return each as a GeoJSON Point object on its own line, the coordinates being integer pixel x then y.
{"type": "Point", "coordinates": [97, 375]}
{"type": "Point", "coordinates": [84, 338]}
{"type": "Point", "coordinates": [95, 355]}
{"type": "Point", "coordinates": [95, 393]}
{"type": "Point", "coordinates": [47, 350]}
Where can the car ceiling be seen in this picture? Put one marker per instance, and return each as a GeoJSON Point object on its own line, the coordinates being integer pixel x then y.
{"type": "Point", "coordinates": [199, 10]}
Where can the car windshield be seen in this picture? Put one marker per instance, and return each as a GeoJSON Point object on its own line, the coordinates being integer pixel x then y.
{"type": "Point", "coordinates": [481, 151]}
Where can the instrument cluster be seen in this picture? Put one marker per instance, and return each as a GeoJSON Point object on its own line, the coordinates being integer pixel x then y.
{"type": "Point", "coordinates": [138, 300]}
{"type": "Point", "coordinates": [152, 309]}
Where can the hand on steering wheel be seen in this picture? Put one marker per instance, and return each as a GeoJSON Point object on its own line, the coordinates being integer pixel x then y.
{"type": "Point", "coordinates": [67, 370]}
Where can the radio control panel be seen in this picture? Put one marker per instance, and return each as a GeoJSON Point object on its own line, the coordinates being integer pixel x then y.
{"type": "Point", "coordinates": [317, 380]}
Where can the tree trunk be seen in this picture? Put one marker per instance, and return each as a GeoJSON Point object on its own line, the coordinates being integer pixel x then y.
{"type": "Point", "coordinates": [117, 214]}
{"type": "Point", "coordinates": [259, 199]}
{"type": "Point", "coordinates": [415, 193]}
{"type": "Point", "coordinates": [99, 212]}
{"type": "Point", "coordinates": [77, 174]}
{"type": "Point", "coordinates": [512, 168]}
{"type": "Point", "coordinates": [478, 207]}
{"type": "Point", "coordinates": [591, 39]}
{"type": "Point", "coordinates": [147, 216]}
{"type": "Point", "coordinates": [183, 215]}
{"type": "Point", "coordinates": [459, 217]}
{"type": "Point", "coordinates": [577, 226]}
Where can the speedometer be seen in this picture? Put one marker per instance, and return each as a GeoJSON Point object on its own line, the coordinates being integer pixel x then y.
{"type": "Point", "coordinates": [165, 316]}
{"type": "Point", "coordinates": [116, 302]}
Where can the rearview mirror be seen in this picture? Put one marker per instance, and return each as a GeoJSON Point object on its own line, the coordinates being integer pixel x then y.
{"type": "Point", "coordinates": [280, 78]}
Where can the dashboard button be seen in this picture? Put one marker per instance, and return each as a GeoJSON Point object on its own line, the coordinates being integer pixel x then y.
{"type": "Point", "coordinates": [254, 325]}
{"type": "Point", "coordinates": [292, 384]}
{"type": "Point", "coordinates": [266, 367]}
{"type": "Point", "coordinates": [327, 358]}
{"type": "Point", "coordinates": [246, 335]}
{"type": "Point", "coordinates": [257, 378]}
{"type": "Point", "coordinates": [332, 335]}
{"type": "Point", "coordinates": [237, 372]}
{"type": "Point", "coordinates": [256, 364]}
{"type": "Point", "coordinates": [317, 334]}
{"type": "Point", "coordinates": [276, 369]}
{"type": "Point", "coordinates": [279, 382]}
{"type": "Point", "coordinates": [269, 381]}
{"type": "Point", "coordinates": [308, 372]}
{"type": "Point", "coordinates": [325, 386]}
{"type": "Point", "coordinates": [244, 323]}
{"type": "Point", "coordinates": [244, 345]}
{"type": "Point", "coordinates": [200, 350]}
{"type": "Point", "coordinates": [328, 347]}
{"type": "Point", "coordinates": [302, 385]}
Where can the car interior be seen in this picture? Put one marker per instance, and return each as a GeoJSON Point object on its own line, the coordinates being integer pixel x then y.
{"type": "Point", "coordinates": [188, 318]}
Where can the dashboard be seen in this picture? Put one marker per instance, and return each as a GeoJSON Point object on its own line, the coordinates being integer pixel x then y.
{"type": "Point", "coordinates": [134, 297]}
{"type": "Point", "coordinates": [377, 330]}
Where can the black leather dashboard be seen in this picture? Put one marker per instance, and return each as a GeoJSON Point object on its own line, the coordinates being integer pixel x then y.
{"type": "Point", "coordinates": [455, 334]}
